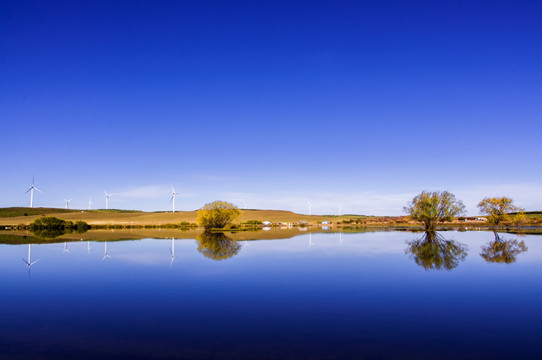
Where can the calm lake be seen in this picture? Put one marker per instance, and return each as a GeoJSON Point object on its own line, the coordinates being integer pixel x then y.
{"type": "Point", "coordinates": [373, 295]}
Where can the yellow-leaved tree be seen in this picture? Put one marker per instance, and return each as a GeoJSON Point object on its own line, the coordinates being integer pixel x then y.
{"type": "Point", "coordinates": [500, 209]}
{"type": "Point", "coordinates": [217, 215]}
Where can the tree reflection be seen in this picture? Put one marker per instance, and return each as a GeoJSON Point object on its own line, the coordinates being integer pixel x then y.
{"type": "Point", "coordinates": [434, 252]}
{"type": "Point", "coordinates": [502, 251]}
{"type": "Point", "coordinates": [217, 246]}
{"type": "Point", "coordinates": [49, 233]}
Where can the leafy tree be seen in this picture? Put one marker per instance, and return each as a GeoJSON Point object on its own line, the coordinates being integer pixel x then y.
{"type": "Point", "coordinates": [217, 215]}
{"type": "Point", "coordinates": [434, 208]}
{"type": "Point", "coordinates": [499, 210]}
{"type": "Point", "coordinates": [217, 246]}
{"type": "Point", "coordinates": [50, 227]}
{"type": "Point", "coordinates": [433, 252]}
{"type": "Point", "coordinates": [503, 251]}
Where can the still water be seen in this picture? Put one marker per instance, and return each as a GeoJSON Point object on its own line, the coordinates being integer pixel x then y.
{"type": "Point", "coordinates": [381, 295]}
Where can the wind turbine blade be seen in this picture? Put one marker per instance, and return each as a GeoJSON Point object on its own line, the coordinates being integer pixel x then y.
{"type": "Point", "coordinates": [35, 261]}
{"type": "Point", "coordinates": [171, 199]}
{"type": "Point", "coordinates": [26, 262]}
{"type": "Point", "coordinates": [35, 188]}
{"type": "Point", "coordinates": [27, 190]}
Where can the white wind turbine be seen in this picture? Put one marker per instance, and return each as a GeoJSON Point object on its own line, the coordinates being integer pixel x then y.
{"type": "Point", "coordinates": [107, 199]}
{"type": "Point", "coordinates": [88, 247]}
{"type": "Point", "coordinates": [65, 247]}
{"type": "Point", "coordinates": [67, 202]}
{"type": "Point", "coordinates": [90, 203]}
{"type": "Point", "coordinates": [173, 195]}
{"type": "Point", "coordinates": [31, 189]}
{"type": "Point", "coordinates": [29, 261]}
{"type": "Point", "coordinates": [310, 208]}
{"type": "Point", "coordinates": [310, 240]}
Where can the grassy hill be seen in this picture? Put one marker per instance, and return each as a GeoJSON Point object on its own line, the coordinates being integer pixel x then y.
{"type": "Point", "coordinates": [16, 216]}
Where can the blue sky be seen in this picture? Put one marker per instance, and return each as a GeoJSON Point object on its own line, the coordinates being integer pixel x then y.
{"type": "Point", "coordinates": [270, 104]}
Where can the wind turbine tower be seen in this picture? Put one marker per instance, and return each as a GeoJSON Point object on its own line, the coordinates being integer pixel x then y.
{"type": "Point", "coordinates": [31, 189]}
{"type": "Point", "coordinates": [107, 199]}
{"type": "Point", "coordinates": [90, 203]}
{"type": "Point", "coordinates": [67, 202]}
{"type": "Point", "coordinates": [173, 195]}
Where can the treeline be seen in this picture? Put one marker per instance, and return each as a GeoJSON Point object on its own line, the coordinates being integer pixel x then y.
{"type": "Point", "coordinates": [51, 222]}
{"type": "Point", "coordinates": [50, 227]}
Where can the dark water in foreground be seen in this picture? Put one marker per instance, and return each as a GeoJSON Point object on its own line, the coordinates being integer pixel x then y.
{"type": "Point", "coordinates": [319, 296]}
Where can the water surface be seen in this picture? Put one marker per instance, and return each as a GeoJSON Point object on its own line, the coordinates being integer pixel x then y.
{"type": "Point", "coordinates": [313, 296]}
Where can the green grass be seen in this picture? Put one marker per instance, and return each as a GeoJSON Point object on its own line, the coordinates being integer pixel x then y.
{"type": "Point", "coordinates": [116, 211]}
{"type": "Point", "coordinates": [23, 211]}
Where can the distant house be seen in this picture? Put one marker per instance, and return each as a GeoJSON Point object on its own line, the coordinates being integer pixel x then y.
{"type": "Point", "coordinates": [267, 223]}
{"type": "Point", "coordinates": [325, 222]}
{"type": "Point", "coordinates": [481, 219]}
{"type": "Point", "coordinates": [304, 222]}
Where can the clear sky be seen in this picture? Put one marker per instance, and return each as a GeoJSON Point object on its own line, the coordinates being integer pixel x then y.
{"type": "Point", "coordinates": [270, 104]}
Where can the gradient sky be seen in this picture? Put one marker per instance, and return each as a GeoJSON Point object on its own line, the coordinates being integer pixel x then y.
{"type": "Point", "coordinates": [270, 104]}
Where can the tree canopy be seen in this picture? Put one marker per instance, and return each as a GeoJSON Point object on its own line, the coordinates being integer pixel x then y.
{"type": "Point", "coordinates": [50, 227]}
{"type": "Point", "coordinates": [499, 209]}
{"type": "Point", "coordinates": [433, 208]}
{"type": "Point", "coordinates": [217, 215]}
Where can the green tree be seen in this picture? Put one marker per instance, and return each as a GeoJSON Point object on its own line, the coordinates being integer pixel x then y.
{"type": "Point", "coordinates": [217, 215]}
{"type": "Point", "coordinates": [434, 208]}
{"type": "Point", "coordinates": [499, 209]}
{"type": "Point", "coordinates": [433, 252]}
{"type": "Point", "coordinates": [50, 227]}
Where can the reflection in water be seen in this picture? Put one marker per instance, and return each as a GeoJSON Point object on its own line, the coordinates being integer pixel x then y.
{"type": "Point", "coordinates": [434, 252]}
{"type": "Point", "coordinates": [172, 251]}
{"type": "Point", "coordinates": [106, 255]}
{"type": "Point", "coordinates": [49, 233]}
{"type": "Point", "coordinates": [217, 246]}
{"type": "Point", "coordinates": [503, 251]}
{"type": "Point", "coordinates": [29, 261]}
